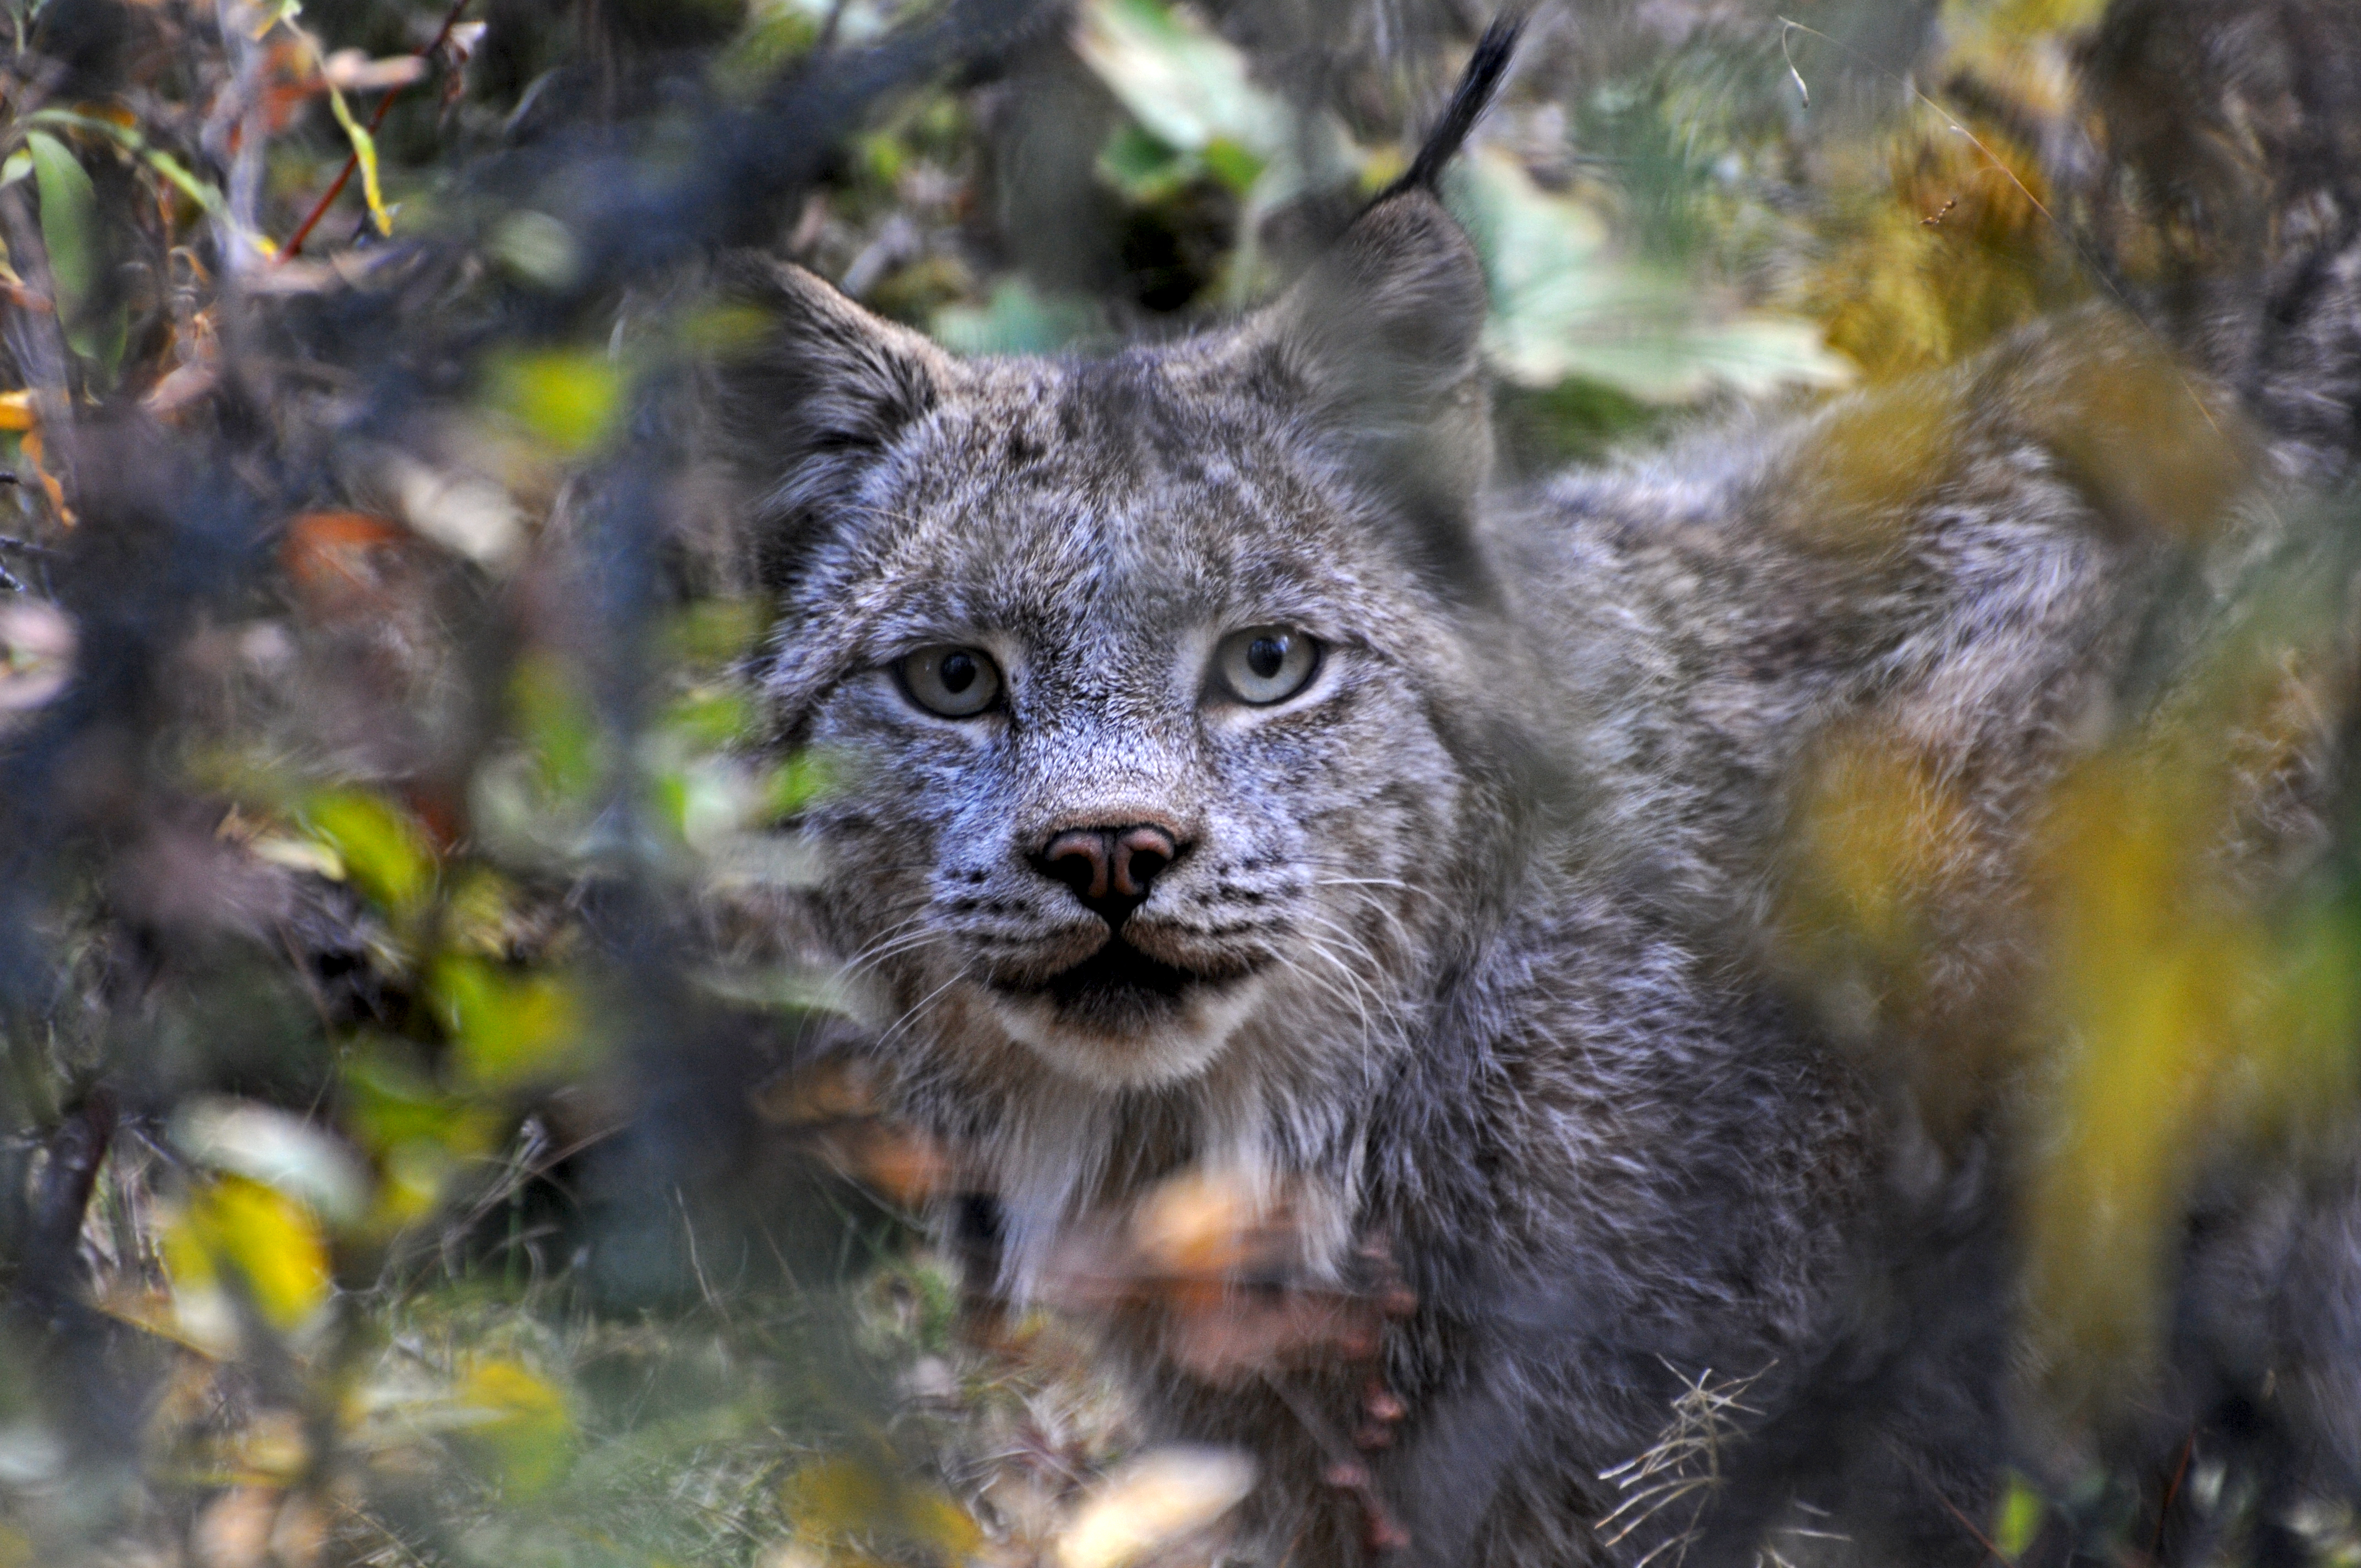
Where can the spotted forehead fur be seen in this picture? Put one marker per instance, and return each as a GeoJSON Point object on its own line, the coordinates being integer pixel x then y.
{"type": "Point", "coordinates": [1152, 490]}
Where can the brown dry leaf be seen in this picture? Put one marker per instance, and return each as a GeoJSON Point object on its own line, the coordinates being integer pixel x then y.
{"type": "Point", "coordinates": [179, 387]}
{"type": "Point", "coordinates": [301, 1535]}
{"type": "Point", "coordinates": [1229, 1337]}
{"type": "Point", "coordinates": [335, 557]}
{"type": "Point", "coordinates": [235, 1530]}
{"type": "Point", "coordinates": [1154, 1503]}
{"type": "Point", "coordinates": [31, 447]}
{"type": "Point", "coordinates": [900, 1163]}
{"type": "Point", "coordinates": [1205, 1224]}
{"type": "Point", "coordinates": [1219, 1262]}
{"type": "Point", "coordinates": [828, 1092]}
{"type": "Point", "coordinates": [351, 70]}
{"type": "Point", "coordinates": [289, 83]}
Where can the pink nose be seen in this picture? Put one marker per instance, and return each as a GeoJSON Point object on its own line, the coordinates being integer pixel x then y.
{"type": "Point", "coordinates": [1108, 867]}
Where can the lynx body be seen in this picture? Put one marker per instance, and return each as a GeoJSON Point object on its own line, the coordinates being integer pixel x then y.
{"type": "Point", "coordinates": [1233, 781]}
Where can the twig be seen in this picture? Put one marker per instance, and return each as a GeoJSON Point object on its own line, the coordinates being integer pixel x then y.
{"type": "Point", "coordinates": [377, 118]}
{"type": "Point", "coordinates": [1786, 27]}
{"type": "Point", "coordinates": [76, 1151]}
{"type": "Point", "coordinates": [828, 29]}
{"type": "Point", "coordinates": [1953, 1509]}
{"type": "Point", "coordinates": [2172, 1491]}
{"type": "Point", "coordinates": [1667, 1473]}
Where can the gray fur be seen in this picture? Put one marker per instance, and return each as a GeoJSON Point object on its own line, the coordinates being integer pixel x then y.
{"type": "Point", "coordinates": [1488, 919]}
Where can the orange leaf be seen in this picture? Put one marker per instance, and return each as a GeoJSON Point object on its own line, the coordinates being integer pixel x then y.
{"type": "Point", "coordinates": [30, 447]}
{"type": "Point", "coordinates": [324, 549]}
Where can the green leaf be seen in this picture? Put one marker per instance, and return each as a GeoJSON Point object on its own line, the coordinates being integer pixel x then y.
{"type": "Point", "coordinates": [511, 1029]}
{"type": "Point", "coordinates": [1234, 165]}
{"type": "Point", "coordinates": [555, 722]}
{"type": "Point", "coordinates": [384, 853]}
{"type": "Point", "coordinates": [1144, 169]}
{"type": "Point", "coordinates": [364, 154]}
{"type": "Point", "coordinates": [570, 397]}
{"type": "Point", "coordinates": [714, 633]}
{"type": "Point", "coordinates": [764, 51]}
{"type": "Point", "coordinates": [1183, 81]}
{"type": "Point", "coordinates": [2017, 1518]}
{"type": "Point", "coordinates": [795, 783]}
{"type": "Point", "coordinates": [520, 1422]}
{"type": "Point", "coordinates": [388, 1102]}
{"type": "Point", "coordinates": [1564, 303]}
{"type": "Point", "coordinates": [708, 718]}
{"type": "Point", "coordinates": [203, 192]}
{"type": "Point", "coordinates": [70, 234]}
{"type": "Point", "coordinates": [1019, 320]}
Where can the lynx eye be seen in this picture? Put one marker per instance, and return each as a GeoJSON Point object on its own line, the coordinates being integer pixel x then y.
{"type": "Point", "coordinates": [957, 683]}
{"type": "Point", "coordinates": [1264, 664]}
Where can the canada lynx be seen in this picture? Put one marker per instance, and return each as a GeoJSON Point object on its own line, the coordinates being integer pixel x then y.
{"type": "Point", "coordinates": [1232, 779]}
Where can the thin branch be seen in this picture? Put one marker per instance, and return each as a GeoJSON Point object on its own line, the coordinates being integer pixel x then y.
{"type": "Point", "coordinates": [377, 118]}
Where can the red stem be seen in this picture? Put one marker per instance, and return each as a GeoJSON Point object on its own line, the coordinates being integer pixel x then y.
{"type": "Point", "coordinates": [353, 160]}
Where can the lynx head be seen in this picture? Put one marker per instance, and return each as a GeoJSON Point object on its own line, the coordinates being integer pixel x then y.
{"type": "Point", "coordinates": [1156, 678]}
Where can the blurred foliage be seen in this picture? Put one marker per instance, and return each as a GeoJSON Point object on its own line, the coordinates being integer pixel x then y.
{"type": "Point", "coordinates": [391, 832]}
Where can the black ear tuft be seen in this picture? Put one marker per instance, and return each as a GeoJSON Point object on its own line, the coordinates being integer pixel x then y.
{"type": "Point", "coordinates": [1486, 69]}
{"type": "Point", "coordinates": [807, 390]}
{"type": "Point", "coordinates": [1379, 341]}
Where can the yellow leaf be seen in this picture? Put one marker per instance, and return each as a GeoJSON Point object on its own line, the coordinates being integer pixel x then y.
{"type": "Point", "coordinates": [239, 1235]}
{"type": "Point", "coordinates": [520, 1422]}
{"type": "Point", "coordinates": [838, 1496]}
{"type": "Point", "coordinates": [383, 851]}
{"type": "Point", "coordinates": [2018, 1517]}
{"type": "Point", "coordinates": [568, 397]}
{"type": "Point", "coordinates": [16, 410]}
{"type": "Point", "coordinates": [364, 154]}
{"type": "Point", "coordinates": [844, 1498]}
{"type": "Point", "coordinates": [931, 1516]}
{"type": "Point", "coordinates": [511, 1029]}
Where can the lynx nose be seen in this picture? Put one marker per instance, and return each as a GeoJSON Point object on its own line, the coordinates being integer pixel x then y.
{"type": "Point", "coordinates": [1108, 867]}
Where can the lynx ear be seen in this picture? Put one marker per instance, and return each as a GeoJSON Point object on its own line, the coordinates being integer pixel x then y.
{"type": "Point", "coordinates": [807, 401]}
{"type": "Point", "coordinates": [1379, 344]}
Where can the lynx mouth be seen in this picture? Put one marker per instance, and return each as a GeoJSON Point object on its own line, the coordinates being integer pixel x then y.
{"type": "Point", "coordinates": [1119, 990]}
{"type": "Point", "coordinates": [1123, 1018]}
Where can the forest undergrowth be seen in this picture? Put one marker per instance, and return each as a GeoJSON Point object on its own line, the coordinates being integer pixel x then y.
{"type": "Point", "coordinates": [416, 1145]}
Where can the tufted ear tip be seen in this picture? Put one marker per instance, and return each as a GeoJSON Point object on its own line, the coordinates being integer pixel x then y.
{"type": "Point", "coordinates": [806, 390]}
{"type": "Point", "coordinates": [793, 337]}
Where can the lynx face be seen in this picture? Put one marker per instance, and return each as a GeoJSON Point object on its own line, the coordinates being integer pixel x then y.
{"type": "Point", "coordinates": [1151, 676]}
